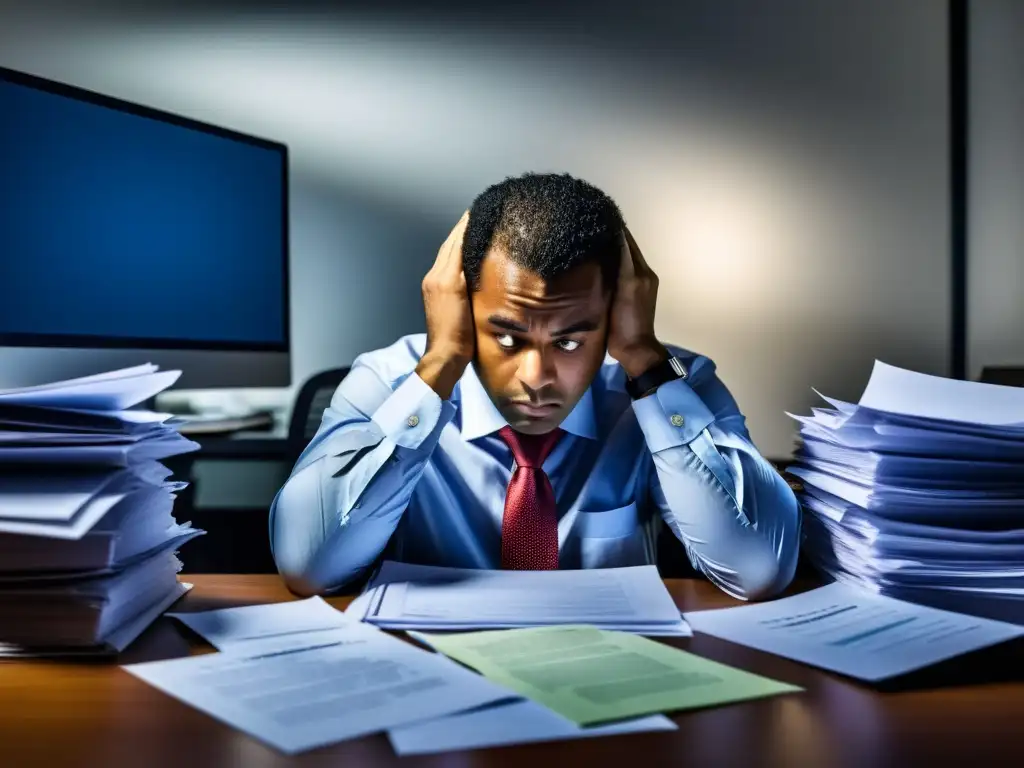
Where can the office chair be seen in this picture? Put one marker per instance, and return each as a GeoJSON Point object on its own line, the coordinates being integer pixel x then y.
{"type": "Point", "coordinates": [313, 398]}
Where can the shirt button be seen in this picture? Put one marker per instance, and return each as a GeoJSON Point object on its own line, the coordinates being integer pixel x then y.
{"type": "Point", "coordinates": [677, 420]}
{"type": "Point", "coordinates": [413, 420]}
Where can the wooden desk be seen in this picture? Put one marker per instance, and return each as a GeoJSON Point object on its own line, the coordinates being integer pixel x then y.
{"type": "Point", "coordinates": [95, 714]}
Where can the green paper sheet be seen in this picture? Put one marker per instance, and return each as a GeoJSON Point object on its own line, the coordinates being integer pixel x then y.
{"type": "Point", "coordinates": [592, 676]}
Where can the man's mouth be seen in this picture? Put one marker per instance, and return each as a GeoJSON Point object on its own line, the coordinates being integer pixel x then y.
{"type": "Point", "coordinates": [535, 411]}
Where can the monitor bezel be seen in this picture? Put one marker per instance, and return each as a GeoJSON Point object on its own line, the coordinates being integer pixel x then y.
{"type": "Point", "coordinates": [9, 339]}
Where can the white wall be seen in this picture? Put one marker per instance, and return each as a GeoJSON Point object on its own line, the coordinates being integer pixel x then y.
{"type": "Point", "coordinates": [995, 280]}
{"type": "Point", "coordinates": [784, 169]}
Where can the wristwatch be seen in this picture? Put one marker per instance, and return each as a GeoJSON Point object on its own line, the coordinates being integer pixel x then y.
{"type": "Point", "coordinates": [652, 378]}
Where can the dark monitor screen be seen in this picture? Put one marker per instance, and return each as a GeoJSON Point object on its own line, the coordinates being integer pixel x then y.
{"type": "Point", "coordinates": [124, 226]}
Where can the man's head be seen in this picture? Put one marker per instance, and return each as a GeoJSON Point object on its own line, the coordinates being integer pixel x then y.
{"type": "Point", "coordinates": [541, 258]}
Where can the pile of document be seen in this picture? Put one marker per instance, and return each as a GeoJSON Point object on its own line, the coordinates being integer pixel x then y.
{"type": "Point", "coordinates": [917, 491]}
{"type": "Point", "coordinates": [429, 598]}
{"type": "Point", "coordinates": [87, 538]}
{"type": "Point", "coordinates": [846, 629]}
{"type": "Point", "coordinates": [300, 675]}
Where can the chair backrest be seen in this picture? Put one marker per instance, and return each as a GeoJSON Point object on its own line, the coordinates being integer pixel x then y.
{"type": "Point", "coordinates": [1010, 376]}
{"type": "Point", "coordinates": [312, 400]}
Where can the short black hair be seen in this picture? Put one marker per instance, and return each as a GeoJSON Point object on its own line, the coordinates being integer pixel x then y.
{"type": "Point", "coordinates": [546, 222]}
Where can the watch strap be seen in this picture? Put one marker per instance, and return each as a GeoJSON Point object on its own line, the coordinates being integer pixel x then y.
{"type": "Point", "coordinates": [648, 381]}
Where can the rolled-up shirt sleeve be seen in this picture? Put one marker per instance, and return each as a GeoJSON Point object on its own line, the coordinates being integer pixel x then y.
{"type": "Point", "coordinates": [737, 518]}
{"type": "Point", "coordinates": [346, 495]}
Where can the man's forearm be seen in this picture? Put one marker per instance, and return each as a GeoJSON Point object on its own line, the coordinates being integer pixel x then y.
{"type": "Point", "coordinates": [317, 543]}
{"type": "Point", "coordinates": [743, 536]}
{"type": "Point", "coordinates": [441, 371]}
{"type": "Point", "coordinates": [737, 517]}
{"type": "Point", "coordinates": [641, 358]}
{"type": "Point", "coordinates": [337, 512]}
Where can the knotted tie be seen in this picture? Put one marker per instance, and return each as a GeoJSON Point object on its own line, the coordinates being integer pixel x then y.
{"type": "Point", "coordinates": [529, 528]}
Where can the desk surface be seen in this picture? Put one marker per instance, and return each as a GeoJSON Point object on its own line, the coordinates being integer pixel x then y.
{"type": "Point", "coordinates": [95, 714]}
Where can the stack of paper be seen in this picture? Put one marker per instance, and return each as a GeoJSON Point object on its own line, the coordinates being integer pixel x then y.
{"type": "Point", "coordinates": [917, 491]}
{"type": "Point", "coordinates": [404, 596]}
{"type": "Point", "coordinates": [87, 538]}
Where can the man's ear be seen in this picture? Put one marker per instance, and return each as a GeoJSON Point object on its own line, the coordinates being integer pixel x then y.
{"type": "Point", "coordinates": [472, 316]}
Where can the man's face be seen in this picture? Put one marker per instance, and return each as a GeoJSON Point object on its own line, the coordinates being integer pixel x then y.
{"type": "Point", "coordinates": [538, 344]}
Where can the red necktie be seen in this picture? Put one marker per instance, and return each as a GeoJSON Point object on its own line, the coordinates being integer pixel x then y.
{"type": "Point", "coordinates": [529, 528]}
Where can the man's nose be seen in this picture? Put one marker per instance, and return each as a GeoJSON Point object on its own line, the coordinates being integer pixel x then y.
{"type": "Point", "coordinates": [536, 369]}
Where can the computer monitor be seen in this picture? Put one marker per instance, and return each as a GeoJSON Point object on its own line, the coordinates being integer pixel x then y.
{"type": "Point", "coordinates": [130, 235]}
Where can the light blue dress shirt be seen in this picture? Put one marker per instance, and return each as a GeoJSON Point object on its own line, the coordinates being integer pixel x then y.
{"type": "Point", "coordinates": [392, 462]}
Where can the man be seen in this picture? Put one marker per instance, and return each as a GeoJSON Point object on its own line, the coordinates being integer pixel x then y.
{"type": "Point", "coordinates": [538, 424]}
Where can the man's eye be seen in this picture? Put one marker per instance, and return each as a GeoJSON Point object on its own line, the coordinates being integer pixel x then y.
{"type": "Point", "coordinates": [569, 345]}
{"type": "Point", "coordinates": [506, 341]}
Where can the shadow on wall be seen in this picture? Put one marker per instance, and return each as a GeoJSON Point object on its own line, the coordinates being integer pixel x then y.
{"type": "Point", "coordinates": [784, 172]}
{"type": "Point", "coordinates": [357, 262]}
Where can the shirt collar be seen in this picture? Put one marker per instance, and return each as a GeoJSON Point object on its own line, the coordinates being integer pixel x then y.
{"type": "Point", "coordinates": [480, 417]}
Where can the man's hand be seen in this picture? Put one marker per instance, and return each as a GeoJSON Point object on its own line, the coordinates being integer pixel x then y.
{"type": "Point", "coordinates": [450, 335]}
{"type": "Point", "coordinates": [631, 338]}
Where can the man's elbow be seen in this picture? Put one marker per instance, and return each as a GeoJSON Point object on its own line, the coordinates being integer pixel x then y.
{"type": "Point", "coordinates": [768, 584]}
{"type": "Point", "coordinates": [296, 561]}
{"type": "Point", "coordinates": [311, 570]}
{"type": "Point", "coordinates": [296, 534]}
{"type": "Point", "coordinates": [770, 568]}
{"type": "Point", "coordinates": [301, 584]}
{"type": "Point", "coordinates": [770, 573]}
{"type": "Point", "coordinates": [296, 570]}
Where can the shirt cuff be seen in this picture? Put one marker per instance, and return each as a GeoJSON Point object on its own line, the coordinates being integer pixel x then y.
{"type": "Point", "coordinates": [413, 413]}
{"type": "Point", "coordinates": [672, 415]}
